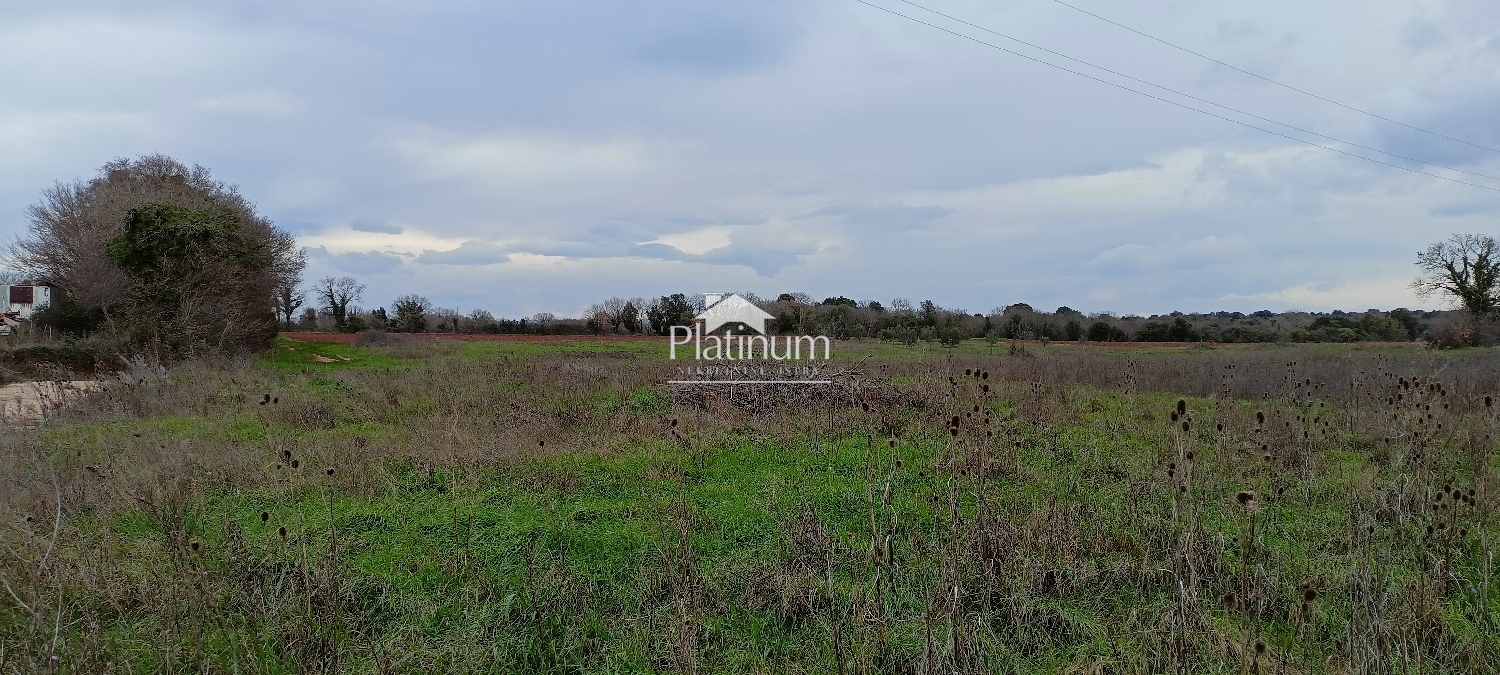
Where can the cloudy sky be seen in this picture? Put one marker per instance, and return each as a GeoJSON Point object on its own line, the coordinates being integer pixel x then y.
{"type": "Point", "coordinates": [525, 157]}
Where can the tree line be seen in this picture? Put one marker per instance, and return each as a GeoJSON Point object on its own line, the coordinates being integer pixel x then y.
{"type": "Point", "coordinates": [154, 256]}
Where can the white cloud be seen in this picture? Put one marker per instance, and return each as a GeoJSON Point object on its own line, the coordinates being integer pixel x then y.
{"type": "Point", "coordinates": [697, 242]}
{"type": "Point", "coordinates": [409, 241]}
{"type": "Point", "coordinates": [1384, 293]}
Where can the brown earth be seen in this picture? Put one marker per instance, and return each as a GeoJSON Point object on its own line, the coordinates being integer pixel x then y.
{"type": "Point", "coordinates": [25, 403]}
{"type": "Point", "coordinates": [347, 338]}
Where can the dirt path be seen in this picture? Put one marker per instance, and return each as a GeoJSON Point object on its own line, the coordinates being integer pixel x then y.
{"type": "Point", "coordinates": [26, 403]}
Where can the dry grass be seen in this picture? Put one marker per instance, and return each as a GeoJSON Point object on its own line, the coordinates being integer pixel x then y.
{"type": "Point", "coordinates": [556, 509]}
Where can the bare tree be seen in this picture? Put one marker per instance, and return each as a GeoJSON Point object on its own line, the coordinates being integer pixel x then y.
{"type": "Point", "coordinates": [336, 294]}
{"type": "Point", "coordinates": [1464, 267]}
{"type": "Point", "coordinates": [166, 255]}
{"type": "Point", "coordinates": [287, 300]}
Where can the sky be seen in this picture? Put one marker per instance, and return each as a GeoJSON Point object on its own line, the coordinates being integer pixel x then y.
{"type": "Point", "coordinates": [531, 157]}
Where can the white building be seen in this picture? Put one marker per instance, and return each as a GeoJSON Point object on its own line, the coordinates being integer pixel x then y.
{"type": "Point", "coordinates": [21, 301]}
{"type": "Point", "coordinates": [24, 299]}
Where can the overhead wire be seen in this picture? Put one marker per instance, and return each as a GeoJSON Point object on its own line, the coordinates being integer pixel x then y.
{"type": "Point", "coordinates": [1275, 82]}
{"type": "Point", "coordinates": [1196, 98]}
{"type": "Point", "coordinates": [1175, 103]}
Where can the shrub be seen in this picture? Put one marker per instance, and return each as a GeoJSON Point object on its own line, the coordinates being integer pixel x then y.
{"type": "Point", "coordinates": [1102, 331]}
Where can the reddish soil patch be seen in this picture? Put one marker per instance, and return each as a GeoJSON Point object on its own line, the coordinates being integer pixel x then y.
{"type": "Point", "coordinates": [347, 338]}
{"type": "Point", "coordinates": [1135, 344]}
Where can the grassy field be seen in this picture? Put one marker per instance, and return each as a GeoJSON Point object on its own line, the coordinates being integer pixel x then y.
{"type": "Point", "coordinates": [553, 507]}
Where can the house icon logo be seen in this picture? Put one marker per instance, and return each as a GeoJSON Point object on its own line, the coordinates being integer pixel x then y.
{"type": "Point", "coordinates": [723, 310]}
{"type": "Point", "coordinates": [713, 336]}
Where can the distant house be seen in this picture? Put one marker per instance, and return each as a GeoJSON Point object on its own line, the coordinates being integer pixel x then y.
{"type": "Point", "coordinates": [731, 309]}
{"type": "Point", "coordinates": [21, 301]}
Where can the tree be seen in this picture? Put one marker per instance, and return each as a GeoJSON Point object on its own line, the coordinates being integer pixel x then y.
{"type": "Point", "coordinates": [286, 302]}
{"type": "Point", "coordinates": [669, 310]}
{"type": "Point", "coordinates": [170, 258]}
{"type": "Point", "coordinates": [1467, 267]}
{"type": "Point", "coordinates": [929, 313]}
{"type": "Point", "coordinates": [1074, 329]}
{"type": "Point", "coordinates": [336, 294]}
{"type": "Point", "coordinates": [378, 319]}
{"type": "Point", "coordinates": [630, 318]}
{"type": "Point", "coordinates": [615, 315]}
{"type": "Point", "coordinates": [1102, 331]}
{"type": "Point", "coordinates": [411, 313]}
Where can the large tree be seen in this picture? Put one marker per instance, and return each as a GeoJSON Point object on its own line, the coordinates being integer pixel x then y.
{"type": "Point", "coordinates": [335, 294]}
{"type": "Point", "coordinates": [169, 257]}
{"type": "Point", "coordinates": [1465, 267]}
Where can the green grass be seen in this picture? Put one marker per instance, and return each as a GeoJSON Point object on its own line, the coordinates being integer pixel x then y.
{"type": "Point", "coordinates": [736, 547]}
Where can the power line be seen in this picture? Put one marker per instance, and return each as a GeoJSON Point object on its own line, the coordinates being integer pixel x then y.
{"type": "Point", "coordinates": [1279, 84]}
{"type": "Point", "coordinates": [1196, 98]}
{"type": "Point", "coordinates": [1170, 101]}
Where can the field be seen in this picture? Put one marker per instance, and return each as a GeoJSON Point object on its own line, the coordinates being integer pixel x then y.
{"type": "Point", "coordinates": [505, 506]}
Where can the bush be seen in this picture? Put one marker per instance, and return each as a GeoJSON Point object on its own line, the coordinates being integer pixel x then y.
{"type": "Point", "coordinates": [68, 317]}
{"type": "Point", "coordinates": [375, 338]}
{"type": "Point", "coordinates": [1178, 331]}
{"type": "Point", "coordinates": [1102, 331]}
{"type": "Point", "coordinates": [902, 334]}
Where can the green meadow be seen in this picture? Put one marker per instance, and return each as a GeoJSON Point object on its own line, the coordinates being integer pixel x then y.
{"type": "Point", "coordinates": [555, 507]}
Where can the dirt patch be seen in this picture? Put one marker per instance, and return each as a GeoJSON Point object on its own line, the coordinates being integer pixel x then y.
{"type": "Point", "coordinates": [26, 403]}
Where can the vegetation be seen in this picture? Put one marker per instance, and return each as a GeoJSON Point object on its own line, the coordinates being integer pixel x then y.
{"type": "Point", "coordinates": [549, 507]}
{"type": "Point", "coordinates": [1465, 268]}
{"type": "Point", "coordinates": [158, 257]}
{"type": "Point", "coordinates": [336, 294]}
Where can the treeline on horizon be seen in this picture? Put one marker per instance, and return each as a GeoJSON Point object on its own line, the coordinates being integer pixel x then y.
{"type": "Point", "coordinates": [904, 322]}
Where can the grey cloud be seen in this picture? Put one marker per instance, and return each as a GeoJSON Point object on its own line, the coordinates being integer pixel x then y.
{"type": "Point", "coordinates": [1422, 34]}
{"type": "Point", "coordinates": [468, 253]}
{"type": "Point", "coordinates": [886, 217]}
{"type": "Point", "coordinates": [375, 226]}
{"type": "Point", "coordinates": [1230, 30]}
{"type": "Point", "coordinates": [368, 262]}
{"type": "Point", "coordinates": [298, 226]}
{"type": "Point", "coordinates": [1465, 207]}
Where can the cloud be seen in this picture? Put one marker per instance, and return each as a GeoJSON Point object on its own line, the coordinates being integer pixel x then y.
{"type": "Point", "coordinates": [367, 262]}
{"type": "Point", "coordinates": [886, 217]}
{"type": "Point", "coordinates": [298, 227]}
{"type": "Point", "coordinates": [697, 242]}
{"type": "Point", "coordinates": [1386, 292]}
{"type": "Point", "coordinates": [375, 226]}
{"type": "Point", "coordinates": [248, 103]}
{"type": "Point", "coordinates": [469, 253]}
{"type": "Point", "coordinates": [717, 49]}
{"type": "Point", "coordinates": [519, 160]}
{"type": "Point", "coordinates": [1197, 254]}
